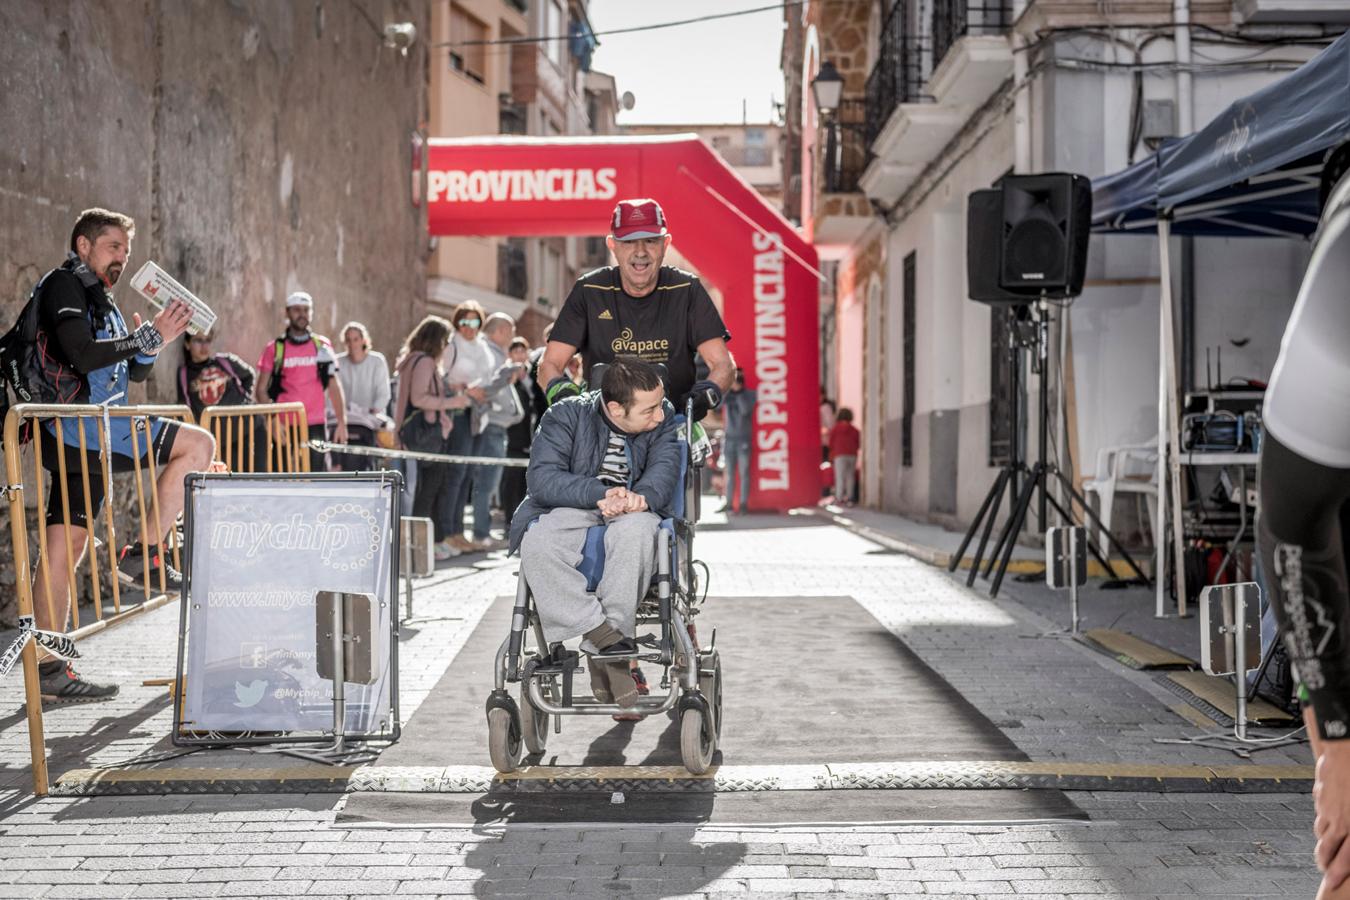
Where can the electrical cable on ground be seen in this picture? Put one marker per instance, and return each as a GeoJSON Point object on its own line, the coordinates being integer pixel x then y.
{"type": "Point", "coordinates": [1273, 740]}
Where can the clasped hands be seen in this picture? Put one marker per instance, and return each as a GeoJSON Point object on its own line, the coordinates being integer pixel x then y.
{"type": "Point", "coordinates": [620, 500]}
{"type": "Point", "coordinates": [1331, 797]}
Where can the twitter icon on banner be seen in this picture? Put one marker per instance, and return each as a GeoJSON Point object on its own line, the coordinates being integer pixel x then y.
{"type": "Point", "coordinates": [250, 694]}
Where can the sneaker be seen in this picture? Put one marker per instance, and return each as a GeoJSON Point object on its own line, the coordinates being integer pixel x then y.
{"type": "Point", "coordinates": [599, 682]}
{"type": "Point", "coordinates": [639, 682]}
{"type": "Point", "coordinates": [65, 685]}
{"type": "Point", "coordinates": [462, 544]}
{"type": "Point", "coordinates": [444, 550]}
{"type": "Point", "coordinates": [131, 569]}
{"type": "Point", "coordinates": [488, 544]}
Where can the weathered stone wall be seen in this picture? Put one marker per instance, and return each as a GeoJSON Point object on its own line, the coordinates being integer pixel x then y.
{"type": "Point", "coordinates": [262, 147]}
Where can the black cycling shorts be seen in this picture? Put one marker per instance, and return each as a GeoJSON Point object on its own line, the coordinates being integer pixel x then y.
{"type": "Point", "coordinates": [1302, 533]}
{"type": "Point", "coordinates": [162, 448]}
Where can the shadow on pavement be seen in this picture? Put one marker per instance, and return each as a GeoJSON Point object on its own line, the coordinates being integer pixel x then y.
{"type": "Point", "coordinates": [653, 864]}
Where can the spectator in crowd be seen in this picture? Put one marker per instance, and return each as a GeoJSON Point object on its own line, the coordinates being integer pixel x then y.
{"type": "Point", "coordinates": [738, 410]}
{"type": "Point", "coordinates": [207, 378]}
{"type": "Point", "coordinates": [92, 357]}
{"type": "Point", "coordinates": [300, 367]}
{"type": "Point", "coordinates": [422, 393]}
{"type": "Point", "coordinates": [844, 442]}
{"type": "Point", "coordinates": [470, 365]}
{"type": "Point", "coordinates": [826, 425]}
{"type": "Point", "coordinates": [520, 435]}
{"type": "Point", "coordinates": [364, 375]}
{"type": "Point", "coordinates": [502, 410]}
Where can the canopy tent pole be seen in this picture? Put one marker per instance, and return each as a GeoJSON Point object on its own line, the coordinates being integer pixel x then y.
{"type": "Point", "coordinates": [1169, 418]}
{"type": "Point", "coordinates": [1160, 509]}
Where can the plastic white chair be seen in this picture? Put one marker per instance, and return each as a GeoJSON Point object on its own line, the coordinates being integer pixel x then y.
{"type": "Point", "coordinates": [1127, 469]}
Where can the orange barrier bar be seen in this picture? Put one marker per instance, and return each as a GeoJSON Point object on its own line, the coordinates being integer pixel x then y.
{"type": "Point", "coordinates": [284, 424]}
{"type": "Point", "coordinates": [15, 489]}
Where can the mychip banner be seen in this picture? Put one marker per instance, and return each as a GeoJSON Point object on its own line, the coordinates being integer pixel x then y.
{"type": "Point", "coordinates": [260, 551]}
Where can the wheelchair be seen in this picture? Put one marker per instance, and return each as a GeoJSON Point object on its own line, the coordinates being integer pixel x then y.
{"type": "Point", "coordinates": [546, 673]}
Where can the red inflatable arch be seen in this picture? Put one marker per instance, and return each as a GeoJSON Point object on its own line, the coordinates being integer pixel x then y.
{"type": "Point", "coordinates": [736, 240]}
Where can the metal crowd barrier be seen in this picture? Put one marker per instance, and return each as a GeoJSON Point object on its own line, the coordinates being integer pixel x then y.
{"type": "Point", "coordinates": [268, 437]}
{"type": "Point", "coordinates": [19, 484]}
{"type": "Point", "coordinates": [384, 453]}
{"type": "Point", "coordinates": [265, 437]}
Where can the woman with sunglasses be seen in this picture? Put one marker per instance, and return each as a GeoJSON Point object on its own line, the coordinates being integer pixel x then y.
{"type": "Point", "coordinates": [469, 366]}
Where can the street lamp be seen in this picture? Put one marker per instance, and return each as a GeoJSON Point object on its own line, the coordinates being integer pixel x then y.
{"type": "Point", "coordinates": [828, 89]}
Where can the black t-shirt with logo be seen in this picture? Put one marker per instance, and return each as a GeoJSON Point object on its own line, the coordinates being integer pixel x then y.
{"type": "Point", "coordinates": [222, 380]}
{"type": "Point", "coordinates": [602, 320]}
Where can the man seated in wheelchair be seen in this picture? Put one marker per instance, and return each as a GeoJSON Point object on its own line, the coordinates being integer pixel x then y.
{"type": "Point", "coordinates": [612, 457]}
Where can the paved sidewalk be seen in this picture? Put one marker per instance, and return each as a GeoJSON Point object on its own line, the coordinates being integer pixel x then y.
{"type": "Point", "coordinates": [1054, 699]}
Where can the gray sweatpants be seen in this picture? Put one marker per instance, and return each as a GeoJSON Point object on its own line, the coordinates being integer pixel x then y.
{"type": "Point", "coordinates": [549, 555]}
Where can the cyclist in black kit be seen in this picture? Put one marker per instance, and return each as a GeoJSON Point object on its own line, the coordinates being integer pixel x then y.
{"type": "Point", "coordinates": [641, 308]}
{"type": "Point", "coordinates": [1304, 525]}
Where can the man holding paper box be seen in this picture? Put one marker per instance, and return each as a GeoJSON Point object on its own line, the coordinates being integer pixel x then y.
{"type": "Point", "coordinates": [97, 356]}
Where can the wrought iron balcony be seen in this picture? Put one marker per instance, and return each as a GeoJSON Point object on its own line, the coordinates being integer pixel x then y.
{"type": "Point", "coordinates": [954, 19]}
{"type": "Point", "coordinates": [845, 147]}
{"type": "Point", "coordinates": [900, 71]}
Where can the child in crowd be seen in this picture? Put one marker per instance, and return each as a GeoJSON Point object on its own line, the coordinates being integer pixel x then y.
{"type": "Point", "coordinates": [844, 443]}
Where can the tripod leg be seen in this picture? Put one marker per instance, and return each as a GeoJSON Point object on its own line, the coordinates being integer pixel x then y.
{"type": "Point", "coordinates": [970, 532]}
{"type": "Point", "coordinates": [1004, 481]}
{"type": "Point", "coordinates": [1015, 525]}
{"type": "Point", "coordinates": [1007, 533]}
{"type": "Point", "coordinates": [1097, 524]}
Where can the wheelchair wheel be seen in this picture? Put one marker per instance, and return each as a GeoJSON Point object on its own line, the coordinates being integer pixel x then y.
{"type": "Point", "coordinates": [710, 683]}
{"type": "Point", "coordinates": [504, 744]}
{"type": "Point", "coordinates": [533, 724]}
{"type": "Point", "coordinates": [696, 744]}
{"type": "Point", "coordinates": [699, 733]}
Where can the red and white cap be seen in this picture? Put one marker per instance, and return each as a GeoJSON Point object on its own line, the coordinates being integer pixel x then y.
{"type": "Point", "coordinates": [640, 218]}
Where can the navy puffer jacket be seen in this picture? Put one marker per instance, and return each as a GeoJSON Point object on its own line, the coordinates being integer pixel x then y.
{"type": "Point", "coordinates": [567, 453]}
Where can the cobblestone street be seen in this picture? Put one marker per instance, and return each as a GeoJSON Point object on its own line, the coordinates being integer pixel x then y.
{"type": "Point", "coordinates": [1057, 701]}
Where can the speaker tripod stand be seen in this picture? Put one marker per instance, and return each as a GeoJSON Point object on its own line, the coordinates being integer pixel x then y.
{"type": "Point", "coordinates": [1020, 481]}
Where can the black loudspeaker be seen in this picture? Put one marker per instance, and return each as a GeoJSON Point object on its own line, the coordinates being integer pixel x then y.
{"type": "Point", "coordinates": [1046, 220]}
{"type": "Point", "coordinates": [984, 249]}
{"type": "Point", "coordinates": [1028, 237]}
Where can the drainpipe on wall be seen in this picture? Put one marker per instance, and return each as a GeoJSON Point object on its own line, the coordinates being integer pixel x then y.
{"type": "Point", "coordinates": [1021, 96]}
{"type": "Point", "coordinates": [1181, 15]}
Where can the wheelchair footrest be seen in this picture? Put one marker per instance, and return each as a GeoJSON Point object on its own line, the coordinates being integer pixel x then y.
{"type": "Point", "coordinates": [558, 663]}
{"type": "Point", "coordinates": [640, 656]}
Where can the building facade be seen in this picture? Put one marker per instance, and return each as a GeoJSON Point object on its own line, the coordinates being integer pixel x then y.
{"type": "Point", "coordinates": [945, 97]}
{"type": "Point", "coordinates": [542, 88]}
{"type": "Point", "coordinates": [754, 150]}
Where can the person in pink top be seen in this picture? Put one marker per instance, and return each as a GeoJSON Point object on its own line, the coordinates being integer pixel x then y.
{"type": "Point", "coordinates": [300, 366]}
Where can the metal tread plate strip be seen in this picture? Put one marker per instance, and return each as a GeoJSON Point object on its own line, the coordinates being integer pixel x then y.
{"type": "Point", "coordinates": [1135, 652]}
{"type": "Point", "coordinates": [1219, 693]}
{"type": "Point", "coordinates": [923, 775]}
